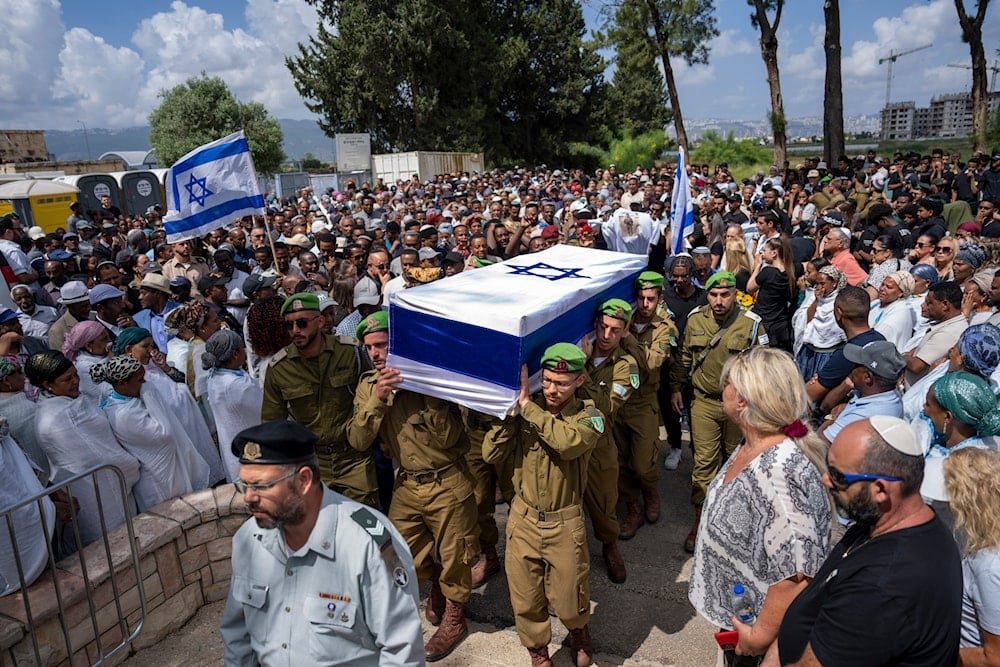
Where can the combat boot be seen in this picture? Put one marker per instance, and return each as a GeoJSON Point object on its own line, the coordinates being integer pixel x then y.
{"type": "Point", "coordinates": [580, 647]}
{"type": "Point", "coordinates": [452, 631]}
{"type": "Point", "coordinates": [692, 537]}
{"type": "Point", "coordinates": [434, 610]}
{"type": "Point", "coordinates": [633, 519]}
{"type": "Point", "coordinates": [486, 567]}
{"type": "Point", "coordinates": [540, 657]}
{"type": "Point", "coordinates": [615, 563]}
{"type": "Point", "coordinates": [651, 497]}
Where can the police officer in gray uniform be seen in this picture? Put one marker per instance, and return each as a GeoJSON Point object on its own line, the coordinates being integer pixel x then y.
{"type": "Point", "coordinates": [318, 579]}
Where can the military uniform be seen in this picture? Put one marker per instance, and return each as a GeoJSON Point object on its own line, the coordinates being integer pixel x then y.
{"type": "Point", "coordinates": [547, 560]}
{"type": "Point", "coordinates": [637, 426]}
{"type": "Point", "coordinates": [348, 594]}
{"type": "Point", "coordinates": [702, 356]}
{"type": "Point", "coordinates": [318, 393]}
{"type": "Point", "coordinates": [432, 504]}
{"type": "Point", "coordinates": [340, 598]}
{"type": "Point", "coordinates": [485, 478]}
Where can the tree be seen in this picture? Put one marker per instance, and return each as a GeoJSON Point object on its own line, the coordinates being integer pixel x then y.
{"type": "Point", "coordinates": [769, 52]}
{"type": "Point", "coordinates": [637, 98]}
{"type": "Point", "coordinates": [681, 28]}
{"type": "Point", "coordinates": [201, 110]}
{"type": "Point", "coordinates": [972, 34]}
{"type": "Point", "coordinates": [450, 75]}
{"type": "Point", "coordinates": [833, 94]}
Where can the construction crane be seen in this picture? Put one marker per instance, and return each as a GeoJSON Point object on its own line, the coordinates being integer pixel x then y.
{"type": "Point", "coordinates": [993, 68]}
{"type": "Point", "coordinates": [891, 59]}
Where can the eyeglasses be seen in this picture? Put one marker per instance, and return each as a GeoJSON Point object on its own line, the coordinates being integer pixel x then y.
{"type": "Point", "coordinates": [925, 245]}
{"type": "Point", "coordinates": [382, 266]}
{"type": "Point", "coordinates": [300, 323]}
{"type": "Point", "coordinates": [945, 249]}
{"type": "Point", "coordinates": [257, 487]}
{"type": "Point", "coordinates": [842, 480]}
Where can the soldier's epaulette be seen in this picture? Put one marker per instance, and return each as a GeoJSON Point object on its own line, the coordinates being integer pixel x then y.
{"type": "Point", "coordinates": [348, 340]}
{"type": "Point", "coordinates": [696, 309]}
{"type": "Point", "coordinates": [752, 315]}
{"type": "Point", "coordinates": [371, 525]}
{"type": "Point", "coordinates": [278, 356]}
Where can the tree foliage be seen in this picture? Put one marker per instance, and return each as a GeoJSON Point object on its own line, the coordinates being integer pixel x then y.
{"type": "Point", "coordinates": [714, 148]}
{"type": "Point", "coordinates": [450, 75]}
{"type": "Point", "coordinates": [637, 97]}
{"type": "Point", "coordinates": [201, 110]}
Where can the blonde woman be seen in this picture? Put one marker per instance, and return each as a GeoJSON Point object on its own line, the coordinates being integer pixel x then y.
{"type": "Point", "coordinates": [767, 517]}
{"type": "Point", "coordinates": [972, 477]}
{"type": "Point", "coordinates": [944, 257]}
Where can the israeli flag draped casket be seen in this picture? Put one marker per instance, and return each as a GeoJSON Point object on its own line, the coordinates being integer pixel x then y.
{"type": "Point", "coordinates": [464, 338]}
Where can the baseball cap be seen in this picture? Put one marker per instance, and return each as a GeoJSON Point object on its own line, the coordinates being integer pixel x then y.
{"type": "Point", "coordinates": [35, 233]}
{"type": "Point", "coordinates": [880, 357]}
{"type": "Point", "coordinates": [454, 258]}
{"type": "Point", "coordinates": [7, 315]}
{"type": "Point", "coordinates": [427, 253]}
{"type": "Point", "coordinates": [73, 292]}
{"type": "Point", "coordinates": [211, 280]}
{"type": "Point", "coordinates": [254, 282]}
{"type": "Point", "coordinates": [366, 293]}
{"type": "Point", "coordinates": [104, 292]}
{"type": "Point", "coordinates": [180, 281]}
{"type": "Point", "coordinates": [60, 255]}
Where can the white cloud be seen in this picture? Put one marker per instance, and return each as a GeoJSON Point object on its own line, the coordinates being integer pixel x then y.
{"type": "Point", "coordinates": [78, 75]}
{"type": "Point", "coordinates": [729, 43]}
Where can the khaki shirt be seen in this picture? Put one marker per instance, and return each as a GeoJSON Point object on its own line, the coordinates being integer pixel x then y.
{"type": "Point", "coordinates": [745, 330]}
{"type": "Point", "coordinates": [549, 453]}
{"type": "Point", "coordinates": [349, 596]}
{"type": "Point", "coordinates": [611, 384]}
{"type": "Point", "coordinates": [655, 344]}
{"type": "Point", "coordinates": [321, 401]}
{"type": "Point", "coordinates": [194, 270]}
{"type": "Point", "coordinates": [422, 433]}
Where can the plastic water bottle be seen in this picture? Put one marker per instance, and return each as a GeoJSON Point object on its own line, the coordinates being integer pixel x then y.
{"type": "Point", "coordinates": [743, 607]}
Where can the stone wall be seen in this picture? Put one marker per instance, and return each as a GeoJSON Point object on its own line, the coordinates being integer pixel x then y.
{"type": "Point", "coordinates": [184, 547]}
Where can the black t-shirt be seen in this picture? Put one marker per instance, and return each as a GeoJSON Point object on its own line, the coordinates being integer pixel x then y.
{"type": "Point", "coordinates": [773, 302]}
{"type": "Point", "coordinates": [838, 368]}
{"type": "Point", "coordinates": [682, 307]}
{"type": "Point", "coordinates": [894, 600]}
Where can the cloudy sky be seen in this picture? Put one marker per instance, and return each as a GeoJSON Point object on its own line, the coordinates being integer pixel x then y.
{"type": "Point", "coordinates": [103, 63]}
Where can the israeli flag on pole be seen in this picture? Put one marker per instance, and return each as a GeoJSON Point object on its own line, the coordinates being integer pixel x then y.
{"type": "Point", "coordinates": [681, 208]}
{"type": "Point", "coordinates": [210, 187]}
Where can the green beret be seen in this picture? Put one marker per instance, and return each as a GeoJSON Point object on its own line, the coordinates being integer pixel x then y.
{"type": "Point", "coordinates": [377, 321]}
{"type": "Point", "coordinates": [649, 280]}
{"type": "Point", "coordinates": [300, 301]}
{"type": "Point", "coordinates": [564, 358]}
{"type": "Point", "coordinates": [616, 308]}
{"type": "Point", "coordinates": [275, 442]}
{"type": "Point", "coordinates": [720, 279]}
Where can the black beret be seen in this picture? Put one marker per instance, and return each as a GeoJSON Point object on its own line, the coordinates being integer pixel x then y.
{"type": "Point", "coordinates": [275, 442]}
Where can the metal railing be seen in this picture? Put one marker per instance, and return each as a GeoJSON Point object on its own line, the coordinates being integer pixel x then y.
{"type": "Point", "coordinates": [71, 533]}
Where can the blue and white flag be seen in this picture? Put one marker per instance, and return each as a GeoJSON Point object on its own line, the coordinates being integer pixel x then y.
{"type": "Point", "coordinates": [210, 187]}
{"type": "Point", "coordinates": [681, 208]}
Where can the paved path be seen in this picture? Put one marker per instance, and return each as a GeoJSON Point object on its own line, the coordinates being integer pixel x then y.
{"type": "Point", "coordinates": [644, 622]}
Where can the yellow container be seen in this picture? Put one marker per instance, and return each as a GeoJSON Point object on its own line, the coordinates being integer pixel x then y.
{"type": "Point", "coordinates": [38, 202]}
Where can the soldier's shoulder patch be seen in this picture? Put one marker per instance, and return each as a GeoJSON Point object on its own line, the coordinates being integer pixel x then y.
{"type": "Point", "coordinates": [348, 340]}
{"type": "Point", "coordinates": [763, 339]}
{"type": "Point", "coordinates": [594, 419]}
{"type": "Point", "coordinates": [633, 375]}
{"type": "Point", "coordinates": [278, 356]}
{"type": "Point", "coordinates": [619, 389]}
{"type": "Point", "coordinates": [371, 525]}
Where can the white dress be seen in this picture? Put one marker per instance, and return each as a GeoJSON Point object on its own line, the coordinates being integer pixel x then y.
{"type": "Point", "coordinates": [20, 413]}
{"type": "Point", "coordinates": [171, 466]}
{"type": "Point", "coordinates": [895, 321]}
{"type": "Point", "coordinates": [184, 408]}
{"type": "Point", "coordinates": [92, 391]}
{"type": "Point", "coordinates": [18, 483]}
{"type": "Point", "coordinates": [235, 398]}
{"type": "Point", "coordinates": [76, 436]}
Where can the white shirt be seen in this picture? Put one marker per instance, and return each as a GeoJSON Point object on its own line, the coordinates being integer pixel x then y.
{"type": "Point", "coordinates": [630, 231]}
{"type": "Point", "coordinates": [236, 399]}
{"type": "Point", "coordinates": [895, 321]}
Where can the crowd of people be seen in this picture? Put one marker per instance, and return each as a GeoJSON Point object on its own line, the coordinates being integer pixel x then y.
{"type": "Point", "coordinates": [829, 338]}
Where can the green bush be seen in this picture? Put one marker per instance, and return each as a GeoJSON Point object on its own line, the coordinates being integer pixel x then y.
{"type": "Point", "coordinates": [713, 149]}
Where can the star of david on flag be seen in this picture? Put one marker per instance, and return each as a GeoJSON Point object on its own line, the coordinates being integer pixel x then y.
{"type": "Point", "coordinates": [547, 271]}
{"type": "Point", "coordinates": [210, 187]}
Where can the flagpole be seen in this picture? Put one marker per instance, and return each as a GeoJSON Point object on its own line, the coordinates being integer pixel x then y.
{"type": "Point", "coordinates": [270, 240]}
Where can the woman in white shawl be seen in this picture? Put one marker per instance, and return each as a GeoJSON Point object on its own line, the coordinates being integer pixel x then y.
{"type": "Point", "coordinates": [144, 426]}
{"type": "Point", "coordinates": [817, 335]}
{"type": "Point", "coordinates": [76, 437]}
{"type": "Point", "coordinates": [891, 314]}
{"type": "Point", "coordinates": [86, 344]}
{"type": "Point", "coordinates": [20, 412]}
{"type": "Point", "coordinates": [234, 396]}
{"type": "Point", "coordinates": [138, 344]}
{"type": "Point", "coordinates": [190, 326]}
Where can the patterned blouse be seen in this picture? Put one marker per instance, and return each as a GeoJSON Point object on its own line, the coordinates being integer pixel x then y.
{"type": "Point", "coordinates": [770, 521]}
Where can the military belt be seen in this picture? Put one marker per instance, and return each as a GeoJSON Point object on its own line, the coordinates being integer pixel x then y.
{"type": "Point", "coordinates": [518, 506]}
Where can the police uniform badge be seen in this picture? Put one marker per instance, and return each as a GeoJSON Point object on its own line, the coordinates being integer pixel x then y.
{"type": "Point", "coordinates": [400, 577]}
{"type": "Point", "coordinates": [251, 451]}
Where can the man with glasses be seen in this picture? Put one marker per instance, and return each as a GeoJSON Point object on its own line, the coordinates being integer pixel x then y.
{"type": "Point", "coordinates": [890, 593]}
{"type": "Point", "coordinates": [943, 307]}
{"type": "Point", "coordinates": [547, 445]}
{"type": "Point", "coordinates": [315, 575]}
{"type": "Point", "coordinates": [433, 505]}
{"type": "Point", "coordinates": [312, 382]}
